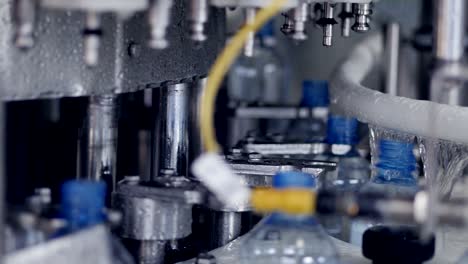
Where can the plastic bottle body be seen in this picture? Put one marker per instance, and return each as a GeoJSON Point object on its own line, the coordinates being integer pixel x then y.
{"type": "Point", "coordinates": [244, 80]}
{"type": "Point", "coordinates": [284, 239]}
{"type": "Point", "coordinates": [394, 174]}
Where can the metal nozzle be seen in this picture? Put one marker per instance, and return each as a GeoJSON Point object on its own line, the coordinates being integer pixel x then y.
{"type": "Point", "coordinates": [92, 39]}
{"type": "Point", "coordinates": [300, 15]}
{"type": "Point", "coordinates": [25, 18]}
{"type": "Point", "coordinates": [362, 14]}
{"type": "Point", "coordinates": [159, 19]}
{"type": "Point", "coordinates": [199, 11]}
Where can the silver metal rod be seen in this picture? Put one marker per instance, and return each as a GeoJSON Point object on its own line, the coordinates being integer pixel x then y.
{"type": "Point", "coordinates": [195, 142]}
{"type": "Point", "coordinates": [101, 142]}
{"type": "Point", "coordinates": [228, 227]}
{"type": "Point", "coordinates": [173, 129]}
{"type": "Point", "coordinates": [250, 43]}
{"type": "Point", "coordinates": [449, 29]}
{"type": "Point", "coordinates": [393, 53]}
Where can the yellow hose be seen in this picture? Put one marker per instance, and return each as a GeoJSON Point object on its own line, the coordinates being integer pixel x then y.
{"type": "Point", "coordinates": [221, 67]}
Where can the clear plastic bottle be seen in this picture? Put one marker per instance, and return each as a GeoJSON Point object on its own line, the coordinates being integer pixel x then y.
{"type": "Point", "coordinates": [261, 77]}
{"type": "Point", "coordinates": [352, 171]}
{"type": "Point", "coordinates": [393, 173]}
{"type": "Point", "coordinates": [288, 239]}
{"type": "Point", "coordinates": [314, 96]}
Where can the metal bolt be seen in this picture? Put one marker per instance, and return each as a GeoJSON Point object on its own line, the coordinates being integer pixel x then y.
{"type": "Point", "coordinates": [362, 14]}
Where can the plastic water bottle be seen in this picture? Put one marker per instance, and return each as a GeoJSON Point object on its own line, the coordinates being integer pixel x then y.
{"type": "Point", "coordinates": [314, 96]}
{"type": "Point", "coordinates": [394, 173]}
{"type": "Point", "coordinates": [271, 66]}
{"type": "Point", "coordinates": [288, 239]}
{"type": "Point", "coordinates": [352, 171]}
{"type": "Point", "coordinates": [260, 78]}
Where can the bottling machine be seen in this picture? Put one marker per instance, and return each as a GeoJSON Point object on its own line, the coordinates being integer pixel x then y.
{"type": "Point", "coordinates": [123, 142]}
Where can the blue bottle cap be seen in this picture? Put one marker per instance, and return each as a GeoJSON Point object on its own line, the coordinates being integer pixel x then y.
{"type": "Point", "coordinates": [342, 130]}
{"type": "Point", "coordinates": [396, 155]}
{"type": "Point", "coordinates": [293, 179]}
{"type": "Point", "coordinates": [268, 30]}
{"type": "Point", "coordinates": [83, 203]}
{"type": "Point", "coordinates": [315, 94]}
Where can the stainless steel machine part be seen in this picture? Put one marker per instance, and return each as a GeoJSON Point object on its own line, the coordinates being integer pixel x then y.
{"type": "Point", "coordinates": [346, 15]}
{"type": "Point", "coordinates": [25, 19]}
{"type": "Point", "coordinates": [362, 13]}
{"type": "Point", "coordinates": [299, 16]}
{"type": "Point", "coordinates": [155, 212]}
{"type": "Point", "coordinates": [450, 16]}
{"type": "Point", "coordinates": [161, 211]}
{"type": "Point", "coordinates": [229, 227]}
{"type": "Point", "coordinates": [92, 245]}
{"type": "Point", "coordinates": [273, 112]}
{"type": "Point", "coordinates": [285, 148]}
{"type": "Point", "coordinates": [92, 38]}
{"type": "Point", "coordinates": [159, 19]}
{"type": "Point", "coordinates": [126, 63]}
{"type": "Point", "coordinates": [151, 252]}
{"type": "Point", "coordinates": [250, 43]}
{"type": "Point", "coordinates": [198, 16]}
{"type": "Point", "coordinates": [328, 22]}
{"type": "Point", "coordinates": [392, 50]}
{"type": "Point", "coordinates": [195, 142]}
{"type": "Point", "coordinates": [98, 155]}
{"type": "Point", "coordinates": [447, 83]}
{"type": "Point", "coordinates": [173, 128]}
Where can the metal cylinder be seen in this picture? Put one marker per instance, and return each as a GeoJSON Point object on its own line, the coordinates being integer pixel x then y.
{"type": "Point", "coordinates": [173, 129]}
{"type": "Point", "coordinates": [329, 21]}
{"type": "Point", "coordinates": [199, 10]}
{"type": "Point", "coordinates": [228, 227]}
{"type": "Point", "coordinates": [250, 43]}
{"type": "Point", "coordinates": [346, 16]}
{"type": "Point", "coordinates": [25, 19]}
{"type": "Point", "coordinates": [151, 252]}
{"type": "Point", "coordinates": [98, 155]}
{"type": "Point", "coordinates": [449, 29]}
{"type": "Point", "coordinates": [195, 142]}
{"type": "Point", "coordinates": [392, 43]}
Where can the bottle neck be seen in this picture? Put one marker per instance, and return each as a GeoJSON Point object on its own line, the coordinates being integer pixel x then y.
{"type": "Point", "coordinates": [396, 163]}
